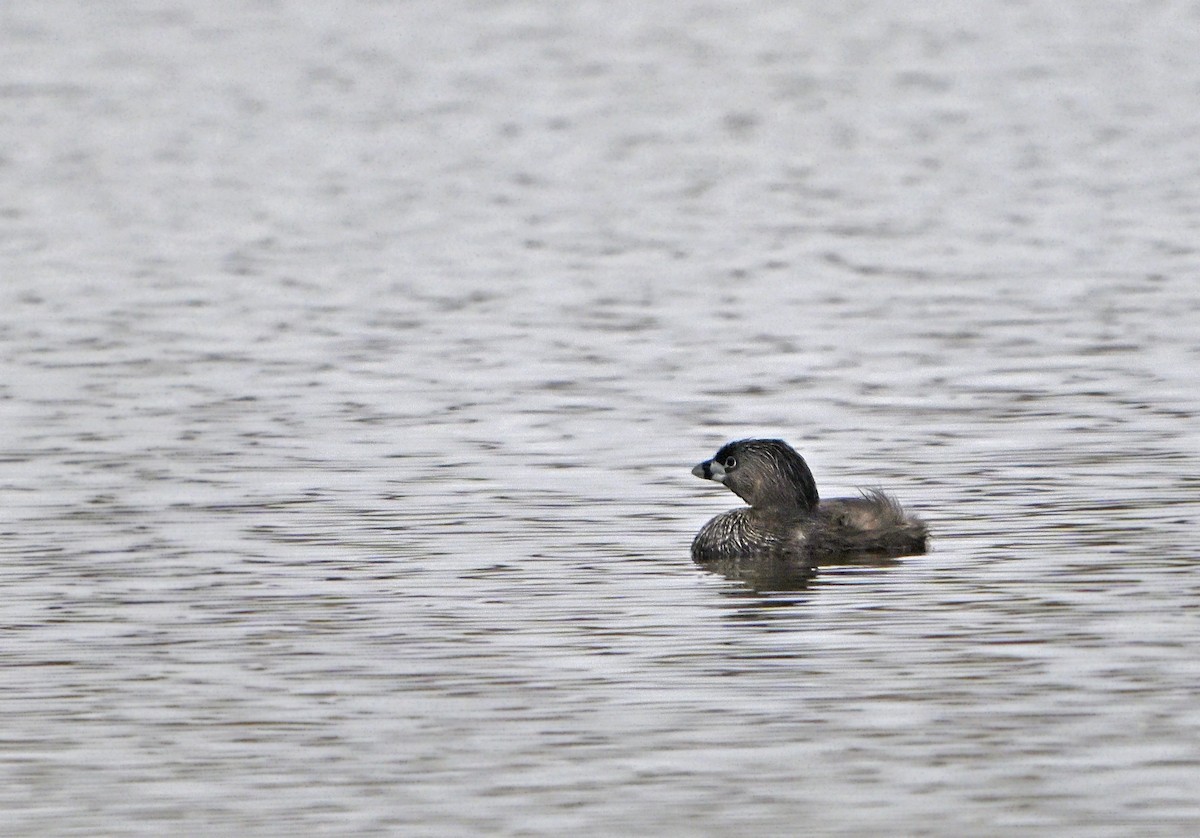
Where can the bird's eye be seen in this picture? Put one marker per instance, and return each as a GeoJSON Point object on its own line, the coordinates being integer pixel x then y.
{"type": "Point", "coordinates": [730, 463]}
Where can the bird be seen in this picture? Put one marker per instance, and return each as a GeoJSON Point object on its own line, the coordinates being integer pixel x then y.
{"type": "Point", "coordinates": [786, 524]}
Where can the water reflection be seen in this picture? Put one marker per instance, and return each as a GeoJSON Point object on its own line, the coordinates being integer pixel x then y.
{"type": "Point", "coordinates": [767, 574]}
{"type": "Point", "coordinates": [764, 573]}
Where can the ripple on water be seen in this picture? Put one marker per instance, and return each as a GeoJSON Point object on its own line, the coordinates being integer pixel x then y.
{"type": "Point", "coordinates": [354, 365]}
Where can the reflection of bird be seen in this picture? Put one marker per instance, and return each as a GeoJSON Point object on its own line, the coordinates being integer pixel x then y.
{"type": "Point", "coordinates": [787, 520]}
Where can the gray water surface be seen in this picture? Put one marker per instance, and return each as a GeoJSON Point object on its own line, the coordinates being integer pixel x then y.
{"type": "Point", "coordinates": [353, 359]}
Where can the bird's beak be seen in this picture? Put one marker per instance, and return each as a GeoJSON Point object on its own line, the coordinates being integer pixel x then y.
{"type": "Point", "coordinates": [710, 470]}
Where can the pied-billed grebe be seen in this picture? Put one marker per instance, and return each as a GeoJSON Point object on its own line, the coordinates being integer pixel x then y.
{"type": "Point", "coordinates": [787, 520]}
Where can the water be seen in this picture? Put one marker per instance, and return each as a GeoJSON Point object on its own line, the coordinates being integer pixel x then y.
{"type": "Point", "coordinates": [355, 358]}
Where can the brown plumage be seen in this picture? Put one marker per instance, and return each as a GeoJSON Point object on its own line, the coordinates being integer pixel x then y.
{"type": "Point", "coordinates": [787, 522]}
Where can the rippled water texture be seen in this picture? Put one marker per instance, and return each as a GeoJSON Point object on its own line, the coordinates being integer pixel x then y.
{"type": "Point", "coordinates": [355, 357]}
